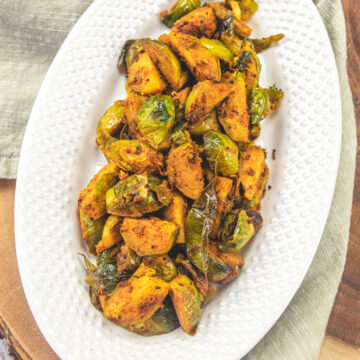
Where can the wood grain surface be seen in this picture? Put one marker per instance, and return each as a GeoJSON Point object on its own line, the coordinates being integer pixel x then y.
{"type": "Point", "coordinates": [343, 332]}
{"type": "Point", "coordinates": [344, 321]}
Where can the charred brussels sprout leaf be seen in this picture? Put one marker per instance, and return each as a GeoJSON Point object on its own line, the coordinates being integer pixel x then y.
{"type": "Point", "coordinates": [163, 265]}
{"type": "Point", "coordinates": [225, 17]}
{"type": "Point", "coordinates": [223, 267]}
{"type": "Point", "coordinates": [238, 229]}
{"type": "Point", "coordinates": [187, 303]}
{"type": "Point", "coordinates": [199, 224]}
{"type": "Point", "coordinates": [199, 22]}
{"type": "Point", "coordinates": [136, 301]}
{"type": "Point", "coordinates": [242, 61]}
{"type": "Point", "coordinates": [265, 43]}
{"type": "Point", "coordinates": [149, 237]}
{"type": "Point", "coordinates": [162, 322]}
{"type": "Point", "coordinates": [91, 230]}
{"type": "Point", "coordinates": [184, 170]}
{"type": "Point", "coordinates": [92, 199]}
{"type": "Point", "coordinates": [156, 117]}
{"type": "Point", "coordinates": [218, 49]}
{"type": "Point", "coordinates": [220, 151]}
{"type": "Point", "coordinates": [138, 195]}
{"type": "Point", "coordinates": [181, 8]}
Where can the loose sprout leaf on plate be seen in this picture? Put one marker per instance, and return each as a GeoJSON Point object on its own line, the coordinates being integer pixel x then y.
{"type": "Point", "coordinates": [180, 195]}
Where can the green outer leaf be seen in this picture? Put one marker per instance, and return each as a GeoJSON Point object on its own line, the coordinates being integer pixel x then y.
{"type": "Point", "coordinates": [218, 49]}
{"type": "Point", "coordinates": [198, 226]}
{"type": "Point", "coordinates": [181, 8]}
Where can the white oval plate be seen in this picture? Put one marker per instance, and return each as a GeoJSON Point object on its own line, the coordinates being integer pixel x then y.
{"type": "Point", "coordinates": [59, 157]}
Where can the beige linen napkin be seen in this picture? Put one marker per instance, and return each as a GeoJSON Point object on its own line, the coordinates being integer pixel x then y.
{"type": "Point", "coordinates": [31, 33]}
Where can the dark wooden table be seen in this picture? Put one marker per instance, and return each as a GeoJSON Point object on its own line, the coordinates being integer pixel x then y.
{"type": "Point", "coordinates": [343, 331]}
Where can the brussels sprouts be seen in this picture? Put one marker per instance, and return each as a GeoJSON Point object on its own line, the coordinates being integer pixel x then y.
{"type": "Point", "coordinates": [248, 8]}
{"type": "Point", "coordinates": [259, 105]}
{"type": "Point", "coordinates": [232, 43]}
{"type": "Point", "coordinates": [136, 301]}
{"type": "Point", "coordinates": [200, 61]}
{"type": "Point", "coordinates": [156, 117]}
{"type": "Point", "coordinates": [233, 113]}
{"type": "Point", "coordinates": [111, 234]}
{"type": "Point", "coordinates": [241, 28]}
{"type": "Point", "coordinates": [200, 280]}
{"type": "Point", "coordinates": [223, 267]}
{"type": "Point", "coordinates": [184, 170]}
{"type": "Point", "coordinates": [91, 230]}
{"type": "Point", "coordinates": [92, 199]}
{"type": "Point", "coordinates": [181, 8]}
{"type": "Point", "coordinates": [149, 237]}
{"type": "Point", "coordinates": [202, 126]}
{"type": "Point", "coordinates": [203, 98]}
{"type": "Point", "coordinates": [143, 76]}
{"type": "Point", "coordinates": [199, 225]}
{"type": "Point", "coordinates": [217, 48]}
{"type": "Point", "coordinates": [199, 22]}
{"type": "Point", "coordinates": [223, 190]}
{"type": "Point", "coordinates": [225, 18]}
{"type": "Point", "coordinates": [176, 213]}
{"type": "Point", "coordinates": [239, 227]}
{"type": "Point", "coordinates": [180, 135]}
{"type": "Point", "coordinates": [187, 303]}
{"type": "Point", "coordinates": [111, 121]}
{"type": "Point", "coordinates": [133, 103]}
{"type": "Point", "coordinates": [134, 156]}
{"type": "Point", "coordinates": [138, 195]}
{"type": "Point", "coordinates": [127, 260]}
{"type": "Point", "coordinates": [275, 97]}
{"type": "Point", "coordinates": [221, 152]}
{"type": "Point", "coordinates": [265, 43]}
{"type": "Point", "coordinates": [108, 255]}
{"type": "Point", "coordinates": [163, 265]}
{"type": "Point", "coordinates": [248, 63]}
{"type": "Point", "coordinates": [167, 62]}
{"type": "Point", "coordinates": [162, 322]}
{"type": "Point", "coordinates": [252, 173]}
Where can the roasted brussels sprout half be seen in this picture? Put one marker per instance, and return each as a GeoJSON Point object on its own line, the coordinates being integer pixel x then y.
{"type": "Point", "coordinates": [223, 191]}
{"type": "Point", "coordinates": [265, 43]}
{"type": "Point", "coordinates": [92, 199]}
{"type": "Point", "coordinates": [200, 61]}
{"type": "Point", "coordinates": [218, 49]}
{"type": "Point", "coordinates": [203, 98]}
{"type": "Point", "coordinates": [233, 112]}
{"type": "Point", "coordinates": [127, 260]}
{"type": "Point", "coordinates": [133, 103]}
{"type": "Point", "coordinates": [252, 172]}
{"type": "Point", "coordinates": [248, 63]}
{"type": "Point", "coordinates": [238, 229]}
{"type": "Point", "coordinates": [221, 153]}
{"type": "Point", "coordinates": [163, 265]}
{"type": "Point", "coordinates": [137, 301]}
{"type": "Point", "coordinates": [199, 224]}
{"type": "Point", "coordinates": [149, 237]}
{"type": "Point", "coordinates": [143, 76]}
{"type": "Point", "coordinates": [181, 8]}
{"type": "Point", "coordinates": [167, 62]}
{"type": "Point", "coordinates": [199, 22]}
{"type": "Point", "coordinates": [225, 17]}
{"type": "Point", "coordinates": [180, 135]}
{"type": "Point", "coordinates": [223, 267]}
{"type": "Point", "coordinates": [162, 322]}
{"type": "Point", "coordinates": [187, 303]}
{"type": "Point", "coordinates": [111, 234]}
{"type": "Point", "coordinates": [156, 118]}
{"type": "Point", "coordinates": [113, 118]}
{"type": "Point", "coordinates": [176, 213]}
{"type": "Point", "coordinates": [248, 8]}
{"type": "Point", "coordinates": [184, 170]}
{"type": "Point", "coordinates": [275, 97]}
{"type": "Point", "coordinates": [134, 156]}
{"type": "Point", "coordinates": [259, 105]}
{"type": "Point", "coordinates": [208, 123]}
{"type": "Point", "coordinates": [138, 195]}
{"type": "Point", "coordinates": [91, 230]}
